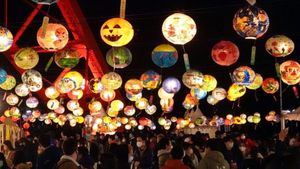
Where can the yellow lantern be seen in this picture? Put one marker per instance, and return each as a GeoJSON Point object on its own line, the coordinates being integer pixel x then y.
{"type": "Point", "coordinates": [256, 83]}
{"type": "Point", "coordinates": [51, 92]}
{"type": "Point", "coordinates": [111, 80]}
{"type": "Point", "coordinates": [166, 104]}
{"type": "Point", "coordinates": [95, 106]}
{"type": "Point", "coordinates": [55, 37]}
{"type": "Point", "coordinates": [235, 91]}
{"type": "Point", "coordinates": [74, 77]}
{"type": "Point", "coordinates": [133, 86]}
{"type": "Point", "coordinates": [107, 95]}
{"type": "Point", "coordinates": [80, 119]}
{"type": "Point", "coordinates": [209, 83]}
{"type": "Point", "coordinates": [192, 79]}
{"type": "Point", "coordinates": [141, 103]}
{"type": "Point", "coordinates": [12, 99]}
{"type": "Point", "coordinates": [290, 72]}
{"type": "Point", "coordinates": [78, 111]}
{"type": "Point", "coordinates": [73, 105]}
{"type": "Point", "coordinates": [9, 83]}
{"type": "Point", "coordinates": [6, 39]}
{"type": "Point", "coordinates": [124, 120]}
{"type": "Point", "coordinates": [164, 95]}
{"type": "Point", "coordinates": [53, 104]}
{"type": "Point", "coordinates": [106, 119]}
{"type": "Point", "coordinates": [112, 113]}
{"type": "Point", "coordinates": [117, 105]}
{"type": "Point", "coordinates": [75, 94]}
{"type": "Point", "coordinates": [116, 32]}
{"type": "Point", "coordinates": [26, 58]}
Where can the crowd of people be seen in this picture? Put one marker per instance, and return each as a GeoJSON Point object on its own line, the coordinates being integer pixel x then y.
{"type": "Point", "coordinates": [146, 150]}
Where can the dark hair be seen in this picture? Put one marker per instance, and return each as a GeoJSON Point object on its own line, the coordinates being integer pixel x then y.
{"type": "Point", "coordinates": [108, 161]}
{"type": "Point", "coordinates": [45, 140]}
{"type": "Point", "coordinates": [83, 151]}
{"type": "Point", "coordinates": [69, 146]}
{"type": "Point", "coordinates": [8, 144]}
{"type": "Point", "coordinates": [227, 138]}
{"type": "Point", "coordinates": [177, 153]}
{"type": "Point", "coordinates": [214, 145]}
{"type": "Point", "coordinates": [163, 143]}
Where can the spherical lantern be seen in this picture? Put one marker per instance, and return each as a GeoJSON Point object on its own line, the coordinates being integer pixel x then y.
{"type": "Point", "coordinates": [164, 95]}
{"type": "Point", "coordinates": [143, 121]}
{"type": "Point", "coordinates": [95, 106]}
{"type": "Point", "coordinates": [73, 105]}
{"type": "Point", "coordinates": [279, 46]}
{"type": "Point", "coordinates": [12, 99]}
{"type": "Point", "coordinates": [290, 72]}
{"type": "Point", "coordinates": [166, 104]}
{"type": "Point", "coordinates": [133, 86]}
{"type": "Point", "coordinates": [55, 37]}
{"type": "Point", "coordinates": [219, 93]}
{"type": "Point", "coordinates": [117, 105]}
{"type": "Point", "coordinates": [116, 32]}
{"type": "Point", "coordinates": [75, 94]}
{"type": "Point", "coordinates": [6, 39]}
{"type": "Point", "coordinates": [199, 93]}
{"type": "Point", "coordinates": [179, 28]}
{"type": "Point", "coordinates": [67, 58]}
{"type": "Point", "coordinates": [129, 110]}
{"type": "Point", "coordinates": [209, 83]}
{"type": "Point", "coordinates": [119, 57]}
{"type": "Point", "coordinates": [53, 104]}
{"type": "Point", "coordinates": [270, 85]}
{"type": "Point", "coordinates": [127, 127]}
{"type": "Point", "coordinates": [192, 79]}
{"type": "Point", "coordinates": [74, 78]}
{"type": "Point", "coordinates": [22, 90]}
{"type": "Point", "coordinates": [161, 121]}
{"type": "Point", "coordinates": [51, 92]}
{"type": "Point", "coordinates": [78, 111]}
{"type": "Point", "coordinates": [164, 56]}
{"type": "Point", "coordinates": [60, 110]}
{"type": "Point", "coordinates": [251, 22]}
{"type": "Point", "coordinates": [134, 97]}
{"type": "Point", "coordinates": [95, 85]}
{"type": "Point", "coordinates": [9, 83]}
{"type": "Point", "coordinates": [211, 100]}
{"type": "Point", "coordinates": [243, 75]}
{"type": "Point", "coordinates": [112, 113]}
{"type": "Point", "coordinates": [171, 85]}
{"type": "Point", "coordinates": [236, 91]}
{"type": "Point", "coordinates": [190, 102]}
{"type": "Point", "coordinates": [150, 80]}
{"type": "Point", "coordinates": [32, 102]}
{"type": "Point", "coordinates": [3, 75]}
{"type": "Point", "coordinates": [150, 109]}
{"type": "Point", "coordinates": [107, 95]}
{"type": "Point", "coordinates": [141, 103]}
{"type": "Point", "coordinates": [256, 83]}
{"type": "Point", "coordinates": [26, 58]}
{"type": "Point", "coordinates": [111, 80]}
{"type": "Point", "coordinates": [33, 79]}
{"type": "Point", "coordinates": [225, 53]}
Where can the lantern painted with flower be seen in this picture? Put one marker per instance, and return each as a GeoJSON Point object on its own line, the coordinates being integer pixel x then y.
{"type": "Point", "coordinates": [279, 46]}
{"type": "Point", "coordinates": [270, 85]}
{"type": "Point", "coordinates": [209, 83]}
{"type": "Point", "coordinates": [225, 53]}
{"type": "Point", "coordinates": [6, 39]}
{"type": "Point", "coordinates": [150, 80]}
{"type": "Point", "coordinates": [133, 86]}
{"type": "Point", "coordinates": [12, 99]}
{"type": "Point", "coordinates": [256, 83]}
{"type": "Point", "coordinates": [164, 56]}
{"type": "Point", "coordinates": [9, 83]}
{"type": "Point", "coordinates": [111, 80]}
{"type": "Point", "coordinates": [290, 72]}
{"type": "Point", "coordinates": [33, 79]}
{"type": "Point", "coordinates": [192, 79]}
{"type": "Point", "coordinates": [171, 85]}
{"type": "Point", "coordinates": [26, 58]}
{"type": "Point", "coordinates": [119, 57]}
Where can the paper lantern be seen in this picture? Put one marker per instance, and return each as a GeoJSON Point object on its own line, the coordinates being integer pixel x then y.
{"type": "Point", "coordinates": [74, 78]}
{"type": "Point", "coordinates": [22, 90]}
{"type": "Point", "coordinates": [36, 113]}
{"type": "Point", "coordinates": [161, 121]}
{"type": "Point", "coordinates": [150, 80]}
{"type": "Point", "coordinates": [75, 94]}
{"type": "Point", "coordinates": [270, 85]}
{"type": "Point", "coordinates": [164, 95]}
{"type": "Point", "coordinates": [243, 75]}
{"type": "Point", "coordinates": [53, 104]}
{"type": "Point", "coordinates": [150, 109]}
{"type": "Point", "coordinates": [3, 75]}
{"type": "Point", "coordinates": [219, 93]}
{"type": "Point", "coordinates": [107, 95]}
{"type": "Point", "coordinates": [251, 22]}
{"type": "Point", "coordinates": [164, 56]}
{"type": "Point", "coordinates": [12, 99]}
{"type": "Point", "coordinates": [211, 100]}
{"type": "Point", "coordinates": [129, 110]}
{"type": "Point", "coordinates": [179, 28]}
{"type": "Point", "coordinates": [32, 102]}
{"type": "Point", "coordinates": [166, 104]}
{"type": "Point", "coordinates": [116, 32]}
{"type": "Point", "coordinates": [141, 103]}
{"type": "Point", "coordinates": [199, 93]}
{"type": "Point", "coordinates": [67, 58]}
{"type": "Point", "coordinates": [116, 105]}
{"type": "Point", "coordinates": [143, 121]}
{"type": "Point", "coordinates": [78, 111]}
{"type": "Point", "coordinates": [171, 85]}
{"type": "Point", "coordinates": [73, 105]}
{"type": "Point", "coordinates": [6, 39]}
{"type": "Point", "coordinates": [119, 57]}
{"type": "Point", "coordinates": [111, 80]}
{"type": "Point", "coordinates": [133, 86]}
{"type": "Point", "coordinates": [51, 92]}
{"type": "Point", "coordinates": [45, 2]}
{"type": "Point", "coordinates": [54, 38]}
{"type": "Point", "coordinates": [256, 83]}
{"type": "Point", "coordinates": [127, 127]}
{"type": "Point", "coordinates": [9, 83]}
{"type": "Point", "coordinates": [134, 97]}
{"type": "Point", "coordinates": [236, 91]}
{"type": "Point", "coordinates": [26, 58]}
{"type": "Point", "coordinates": [279, 46]}
{"type": "Point", "coordinates": [33, 79]}
{"type": "Point", "coordinates": [95, 85]}
{"type": "Point", "coordinates": [225, 53]}
{"type": "Point", "coordinates": [60, 110]}
{"type": "Point", "coordinates": [190, 102]}
{"type": "Point", "coordinates": [192, 79]}
{"type": "Point", "coordinates": [209, 83]}
{"type": "Point", "coordinates": [95, 106]}
{"type": "Point", "coordinates": [290, 72]}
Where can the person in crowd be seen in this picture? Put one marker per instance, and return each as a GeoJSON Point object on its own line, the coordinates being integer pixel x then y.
{"type": "Point", "coordinates": [9, 152]}
{"type": "Point", "coordinates": [232, 154]}
{"type": "Point", "coordinates": [120, 151]}
{"type": "Point", "coordinates": [68, 160]}
{"type": "Point", "coordinates": [3, 164]}
{"type": "Point", "coordinates": [84, 159]}
{"type": "Point", "coordinates": [175, 162]}
{"type": "Point", "coordinates": [143, 155]}
{"type": "Point", "coordinates": [19, 156]}
{"type": "Point", "coordinates": [107, 161]}
{"type": "Point", "coordinates": [190, 159]}
{"type": "Point", "coordinates": [213, 158]}
{"type": "Point", "coordinates": [164, 150]}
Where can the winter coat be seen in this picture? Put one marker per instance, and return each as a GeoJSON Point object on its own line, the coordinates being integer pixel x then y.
{"type": "Point", "coordinates": [213, 160]}
{"type": "Point", "coordinates": [145, 158]}
{"type": "Point", "coordinates": [48, 158]}
{"type": "Point", "coordinates": [174, 164]}
{"type": "Point", "coordinates": [163, 156]}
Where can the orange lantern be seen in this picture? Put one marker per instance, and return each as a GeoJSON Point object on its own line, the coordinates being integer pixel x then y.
{"type": "Point", "coordinates": [290, 72]}
{"type": "Point", "coordinates": [107, 95]}
{"type": "Point", "coordinates": [270, 85]}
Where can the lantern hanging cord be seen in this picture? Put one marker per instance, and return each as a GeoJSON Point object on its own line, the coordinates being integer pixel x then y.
{"type": "Point", "coordinates": [6, 12]}
{"type": "Point", "coordinates": [122, 8]}
{"type": "Point", "coordinates": [183, 48]}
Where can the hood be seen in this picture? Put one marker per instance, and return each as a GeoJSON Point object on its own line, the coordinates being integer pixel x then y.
{"type": "Point", "coordinates": [215, 156]}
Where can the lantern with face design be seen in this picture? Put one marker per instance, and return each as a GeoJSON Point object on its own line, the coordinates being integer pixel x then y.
{"type": "Point", "coordinates": [116, 32]}
{"type": "Point", "coordinates": [225, 53]}
{"type": "Point", "coordinates": [6, 39]}
{"type": "Point", "coordinates": [279, 46]}
{"type": "Point", "coordinates": [290, 72]}
{"type": "Point", "coordinates": [270, 85]}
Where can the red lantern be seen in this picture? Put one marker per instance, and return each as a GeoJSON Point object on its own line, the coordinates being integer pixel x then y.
{"type": "Point", "coordinates": [143, 121]}
{"type": "Point", "coordinates": [26, 126]}
{"type": "Point", "coordinates": [270, 85]}
{"type": "Point", "coordinates": [225, 53]}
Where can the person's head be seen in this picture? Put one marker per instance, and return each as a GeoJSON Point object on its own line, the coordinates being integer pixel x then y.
{"type": "Point", "coordinates": [212, 145]}
{"type": "Point", "coordinates": [165, 144]}
{"type": "Point", "coordinates": [188, 149]}
{"type": "Point", "coordinates": [228, 143]}
{"type": "Point", "coordinates": [70, 148]}
{"type": "Point", "coordinates": [242, 147]}
{"type": "Point", "coordinates": [141, 142]}
{"type": "Point", "coordinates": [188, 139]}
{"type": "Point", "coordinates": [64, 135]}
{"type": "Point", "coordinates": [3, 163]}
{"type": "Point", "coordinates": [82, 152]}
{"type": "Point", "coordinates": [177, 153]}
{"type": "Point", "coordinates": [219, 134]}
{"type": "Point", "coordinates": [7, 146]}
{"type": "Point", "coordinates": [159, 137]}
{"type": "Point", "coordinates": [45, 140]}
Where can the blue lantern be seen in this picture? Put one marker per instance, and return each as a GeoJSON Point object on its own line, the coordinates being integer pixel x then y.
{"type": "Point", "coordinates": [3, 75]}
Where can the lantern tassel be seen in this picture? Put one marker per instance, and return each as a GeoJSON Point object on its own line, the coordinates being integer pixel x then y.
{"type": "Point", "coordinates": [277, 68]}
{"type": "Point", "coordinates": [251, 2]}
{"type": "Point", "coordinates": [49, 64]}
{"type": "Point", "coordinates": [122, 8]}
{"type": "Point", "coordinates": [4, 96]}
{"type": "Point", "coordinates": [253, 55]}
{"type": "Point", "coordinates": [186, 61]}
{"type": "Point", "coordinates": [44, 26]}
{"type": "Point", "coordinates": [20, 102]}
{"type": "Point", "coordinates": [296, 93]}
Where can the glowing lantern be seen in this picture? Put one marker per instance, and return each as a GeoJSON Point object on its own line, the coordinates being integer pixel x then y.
{"type": "Point", "coordinates": [225, 53]}
{"type": "Point", "coordinates": [51, 92]}
{"type": "Point", "coordinates": [107, 119]}
{"type": "Point", "coordinates": [141, 103]}
{"type": "Point", "coordinates": [256, 83]}
{"type": "Point", "coordinates": [74, 78]}
{"type": "Point", "coordinates": [22, 90]}
{"type": "Point", "coordinates": [179, 28]}
{"type": "Point", "coordinates": [270, 85]}
{"type": "Point", "coordinates": [251, 22]}
{"type": "Point", "coordinates": [164, 56]}
{"type": "Point", "coordinates": [6, 39]}
{"type": "Point", "coordinates": [124, 120]}
{"type": "Point", "coordinates": [164, 95]}
{"type": "Point", "coordinates": [67, 58]}
{"type": "Point", "coordinates": [73, 105]}
{"type": "Point", "coordinates": [78, 111]}
{"type": "Point", "coordinates": [199, 93]}
{"type": "Point", "coordinates": [219, 93]}
{"type": "Point", "coordinates": [95, 85]}
{"type": "Point", "coordinates": [9, 83]}
{"type": "Point", "coordinates": [150, 80]}
{"type": "Point", "coordinates": [150, 109]}
{"type": "Point", "coordinates": [107, 95]}
{"type": "Point", "coordinates": [32, 102]}
{"type": "Point", "coordinates": [210, 83]}
{"type": "Point", "coordinates": [243, 75]}
{"type": "Point", "coordinates": [211, 100]}
{"type": "Point", "coordinates": [3, 75]}
{"type": "Point", "coordinates": [143, 121]}
{"type": "Point", "coordinates": [192, 79]}
{"type": "Point", "coordinates": [12, 99]}
{"type": "Point", "coordinates": [190, 101]}
{"type": "Point", "coordinates": [26, 126]}
{"type": "Point", "coordinates": [55, 37]}
{"type": "Point", "coordinates": [111, 80]}
{"type": "Point", "coordinates": [279, 46]}
{"type": "Point", "coordinates": [290, 72]}
{"type": "Point", "coordinates": [129, 110]}
{"type": "Point", "coordinates": [73, 122]}
{"type": "Point", "coordinates": [26, 58]}
{"type": "Point", "coordinates": [133, 86]}
{"type": "Point", "coordinates": [53, 104]}
{"type": "Point", "coordinates": [116, 32]}
{"type": "Point", "coordinates": [256, 118]}
{"type": "Point", "coordinates": [171, 85]}
{"type": "Point", "coordinates": [119, 57]}
{"type": "Point", "coordinates": [95, 106]}
{"type": "Point", "coordinates": [166, 104]}
{"type": "Point", "coordinates": [127, 127]}
{"type": "Point", "coordinates": [161, 121]}
{"type": "Point", "coordinates": [33, 79]}
{"type": "Point", "coordinates": [134, 97]}
{"type": "Point", "coordinates": [60, 110]}
{"type": "Point", "coordinates": [75, 94]}
{"type": "Point", "coordinates": [116, 105]}
{"type": "Point", "coordinates": [36, 113]}
{"type": "Point", "coordinates": [235, 91]}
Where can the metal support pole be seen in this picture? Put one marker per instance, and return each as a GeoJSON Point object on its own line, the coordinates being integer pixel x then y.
{"type": "Point", "coordinates": [282, 120]}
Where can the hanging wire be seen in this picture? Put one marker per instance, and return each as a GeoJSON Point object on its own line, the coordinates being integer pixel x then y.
{"type": "Point", "coordinates": [122, 8]}
{"type": "Point", "coordinates": [6, 12]}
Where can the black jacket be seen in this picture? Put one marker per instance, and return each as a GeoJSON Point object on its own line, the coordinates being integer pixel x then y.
{"type": "Point", "coordinates": [48, 158]}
